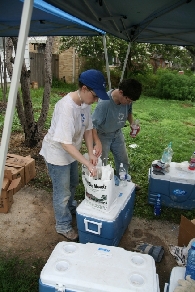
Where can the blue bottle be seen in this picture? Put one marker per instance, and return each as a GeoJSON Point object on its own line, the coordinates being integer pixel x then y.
{"type": "Point", "coordinates": [157, 206]}
{"type": "Point", "coordinates": [190, 267]}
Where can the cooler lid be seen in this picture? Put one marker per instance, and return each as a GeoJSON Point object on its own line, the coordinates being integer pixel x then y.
{"type": "Point", "coordinates": [93, 267]}
{"type": "Point", "coordinates": [122, 195]}
{"type": "Point", "coordinates": [178, 172]}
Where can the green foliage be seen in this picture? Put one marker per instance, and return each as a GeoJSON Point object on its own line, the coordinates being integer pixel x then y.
{"type": "Point", "coordinates": [176, 86]}
{"type": "Point", "coordinates": [115, 75]}
{"type": "Point", "coordinates": [60, 84]}
{"type": "Point", "coordinates": [91, 62]}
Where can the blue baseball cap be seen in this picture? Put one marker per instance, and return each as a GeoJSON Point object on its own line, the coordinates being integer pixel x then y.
{"type": "Point", "coordinates": [95, 80]}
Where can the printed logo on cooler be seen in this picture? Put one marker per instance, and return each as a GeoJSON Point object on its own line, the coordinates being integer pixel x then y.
{"type": "Point", "coordinates": [104, 249]}
{"type": "Point", "coordinates": [179, 192]}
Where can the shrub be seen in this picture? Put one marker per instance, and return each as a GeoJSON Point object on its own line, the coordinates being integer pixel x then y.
{"type": "Point", "coordinates": [176, 86]}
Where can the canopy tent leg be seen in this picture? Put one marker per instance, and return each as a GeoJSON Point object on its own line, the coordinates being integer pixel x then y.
{"type": "Point", "coordinates": [107, 64]}
{"type": "Point", "coordinates": [125, 62]}
{"type": "Point", "coordinates": [23, 34]}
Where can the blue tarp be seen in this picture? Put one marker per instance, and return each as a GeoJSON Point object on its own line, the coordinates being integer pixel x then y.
{"type": "Point", "coordinates": [151, 21]}
{"type": "Point", "coordinates": [46, 21]}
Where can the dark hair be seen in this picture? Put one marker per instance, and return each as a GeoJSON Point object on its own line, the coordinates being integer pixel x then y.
{"type": "Point", "coordinates": [82, 84]}
{"type": "Point", "coordinates": [131, 88]}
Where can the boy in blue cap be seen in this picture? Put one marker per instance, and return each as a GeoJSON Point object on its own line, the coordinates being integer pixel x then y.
{"type": "Point", "coordinates": [71, 122]}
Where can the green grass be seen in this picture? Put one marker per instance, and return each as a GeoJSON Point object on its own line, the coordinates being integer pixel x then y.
{"type": "Point", "coordinates": [162, 121]}
{"type": "Point", "coordinates": [19, 275]}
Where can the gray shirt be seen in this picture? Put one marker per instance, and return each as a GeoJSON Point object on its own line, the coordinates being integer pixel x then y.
{"type": "Point", "coordinates": [110, 117]}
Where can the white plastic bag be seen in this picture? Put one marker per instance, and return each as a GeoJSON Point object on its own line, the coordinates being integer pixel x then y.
{"type": "Point", "coordinates": [99, 191]}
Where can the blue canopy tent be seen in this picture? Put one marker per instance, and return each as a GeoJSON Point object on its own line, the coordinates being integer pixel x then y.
{"type": "Point", "coordinates": [23, 20]}
{"type": "Point", "coordinates": [163, 22]}
{"type": "Point", "coordinates": [46, 20]}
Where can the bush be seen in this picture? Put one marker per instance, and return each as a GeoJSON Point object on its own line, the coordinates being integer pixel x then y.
{"type": "Point", "coordinates": [176, 86]}
{"type": "Point", "coordinates": [115, 76]}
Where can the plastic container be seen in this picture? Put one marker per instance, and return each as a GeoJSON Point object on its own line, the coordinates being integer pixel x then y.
{"type": "Point", "coordinates": [106, 227]}
{"type": "Point", "coordinates": [93, 267]}
{"type": "Point", "coordinates": [135, 128]}
{"type": "Point", "coordinates": [167, 154]}
{"type": "Point", "coordinates": [122, 175]}
{"type": "Point", "coordinates": [176, 187]}
{"type": "Point", "coordinates": [176, 274]}
{"type": "Point", "coordinates": [157, 206]}
{"type": "Point", "coordinates": [190, 267]}
{"type": "Point", "coordinates": [192, 162]}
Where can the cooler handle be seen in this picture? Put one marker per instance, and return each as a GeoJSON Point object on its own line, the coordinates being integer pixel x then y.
{"type": "Point", "coordinates": [99, 224]}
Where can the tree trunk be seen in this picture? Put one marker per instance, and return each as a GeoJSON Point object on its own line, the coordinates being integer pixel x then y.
{"type": "Point", "coordinates": [48, 83]}
{"type": "Point", "coordinates": [32, 130]}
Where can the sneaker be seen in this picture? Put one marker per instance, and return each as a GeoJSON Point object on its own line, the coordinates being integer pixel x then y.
{"type": "Point", "coordinates": [137, 188]}
{"type": "Point", "coordinates": [72, 235]}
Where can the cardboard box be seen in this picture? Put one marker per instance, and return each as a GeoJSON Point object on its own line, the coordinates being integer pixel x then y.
{"type": "Point", "coordinates": [6, 198]}
{"type": "Point", "coordinates": [186, 231]}
{"type": "Point", "coordinates": [27, 162]}
{"type": "Point", "coordinates": [12, 171]}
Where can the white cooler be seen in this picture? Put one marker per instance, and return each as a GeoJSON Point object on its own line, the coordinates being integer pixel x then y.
{"type": "Point", "coordinates": [97, 268]}
{"type": "Point", "coordinates": [176, 274]}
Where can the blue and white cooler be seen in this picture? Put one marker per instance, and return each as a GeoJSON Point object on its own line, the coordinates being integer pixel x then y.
{"type": "Point", "coordinates": [76, 267]}
{"type": "Point", "coordinates": [176, 187]}
{"type": "Point", "coordinates": [106, 227]}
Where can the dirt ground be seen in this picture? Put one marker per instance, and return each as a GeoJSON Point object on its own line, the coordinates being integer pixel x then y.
{"type": "Point", "coordinates": [28, 230]}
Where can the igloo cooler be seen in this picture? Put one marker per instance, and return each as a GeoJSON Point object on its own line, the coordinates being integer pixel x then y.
{"type": "Point", "coordinates": [106, 228]}
{"type": "Point", "coordinates": [93, 267]}
{"type": "Point", "coordinates": [176, 274]}
{"type": "Point", "coordinates": [176, 187]}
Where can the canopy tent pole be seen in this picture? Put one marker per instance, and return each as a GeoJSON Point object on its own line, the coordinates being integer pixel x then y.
{"type": "Point", "coordinates": [125, 62]}
{"type": "Point", "coordinates": [23, 34]}
{"type": "Point", "coordinates": [107, 64]}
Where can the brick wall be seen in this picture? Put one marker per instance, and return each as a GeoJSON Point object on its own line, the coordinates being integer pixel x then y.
{"type": "Point", "coordinates": [68, 62]}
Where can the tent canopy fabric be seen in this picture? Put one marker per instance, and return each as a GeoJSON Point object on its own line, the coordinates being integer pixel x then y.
{"type": "Point", "coordinates": [152, 21]}
{"type": "Point", "coordinates": [46, 21]}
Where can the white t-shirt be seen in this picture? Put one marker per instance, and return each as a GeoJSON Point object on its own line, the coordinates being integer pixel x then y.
{"type": "Point", "coordinates": [68, 124]}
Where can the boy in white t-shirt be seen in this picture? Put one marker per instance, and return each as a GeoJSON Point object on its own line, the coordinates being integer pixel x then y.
{"type": "Point", "coordinates": [71, 122]}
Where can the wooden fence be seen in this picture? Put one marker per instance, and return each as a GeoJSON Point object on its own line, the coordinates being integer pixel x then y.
{"type": "Point", "coordinates": [37, 68]}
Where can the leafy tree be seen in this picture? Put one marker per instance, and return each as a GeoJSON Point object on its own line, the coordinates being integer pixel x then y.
{"type": "Point", "coordinates": [92, 47]}
{"type": "Point", "coordinates": [177, 56]}
{"type": "Point", "coordinates": [191, 50]}
{"type": "Point", "coordinates": [139, 56]}
{"type": "Point", "coordinates": [32, 129]}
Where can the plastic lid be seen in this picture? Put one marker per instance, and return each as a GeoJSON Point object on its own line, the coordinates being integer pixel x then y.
{"type": "Point", "coordinates": [193, 245]}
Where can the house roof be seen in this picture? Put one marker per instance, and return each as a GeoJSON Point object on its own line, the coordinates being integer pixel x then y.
{"type": "Point", "coordinates": [37, 40]}
{"type": "Point", "coordinates": [151, 21]}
